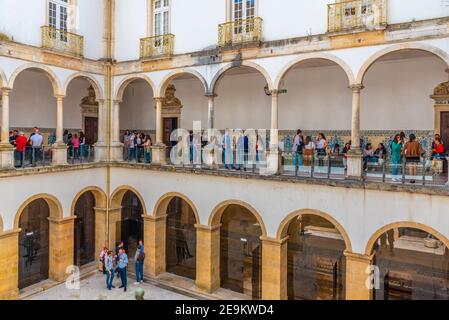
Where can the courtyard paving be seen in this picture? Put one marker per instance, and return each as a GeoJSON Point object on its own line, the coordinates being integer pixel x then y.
{"type": "Point", "coordinates": [93, 287]}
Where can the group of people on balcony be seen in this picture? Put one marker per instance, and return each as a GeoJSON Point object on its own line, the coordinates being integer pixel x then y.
{"type": "Point", "coordinates": [76, 144]}
{"type": "Point", "coordinates": [137, 146]}
{"type": "Point", "coordinates": [24, 147]}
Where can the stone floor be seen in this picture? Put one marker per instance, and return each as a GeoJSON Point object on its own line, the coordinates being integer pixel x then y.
{"type": "Point", "coordinates": [93, 288]}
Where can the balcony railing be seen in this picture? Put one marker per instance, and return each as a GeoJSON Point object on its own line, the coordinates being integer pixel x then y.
{"type": "Point", "coordinates": [355, 14]}
{"type": "Point", "coordinates": [240, 32]}
{"type": "Point", "coordinates": [62, 41]}
{"type": "Point", "coordinates": [157, 46]}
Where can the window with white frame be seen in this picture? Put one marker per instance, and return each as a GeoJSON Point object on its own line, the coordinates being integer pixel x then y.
{"type": "Point", "coordinates": [243, 10]}
{"type": "Point", "coordinates": [161, 17]}
{"type": "Point", "coordinates": [58, 14]}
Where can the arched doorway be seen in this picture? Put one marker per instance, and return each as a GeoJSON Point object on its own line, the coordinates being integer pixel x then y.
{"type": "Point", "coordinates": [315, 259]}
{"type": "Point", "coordinates": [412, 265]}
{"type": "Point", "coordinates": [84, 240]}
{"type": "Point", "coordinates": [130, 227]}
{"type": "Point", "coordinates": [34, 243]}
{"type": "Point", "coordinates": [181, 239]}
{"type": "Point", "coordinates": [240, 251]}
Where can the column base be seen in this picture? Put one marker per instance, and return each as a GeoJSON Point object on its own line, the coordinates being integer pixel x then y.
{"type": "Point", "coordinates": [355, 165]}
{"type": "Point", "coordinates": [59, 154]}
{"type": "Point", "coordinates": [158, 154]}
{"type": "Point", "coordinates": [274, 163]}
{"type": "Point", "coordinates": [100, 150]}
{"type": "Point", "coordinates": [6, 156]}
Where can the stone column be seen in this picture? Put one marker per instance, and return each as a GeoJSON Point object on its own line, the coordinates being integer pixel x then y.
{"type": "Point", "coordinates": [208, 257]}
{"type": "Point", "coordinates": [9, 265]}
{"type": "Point", "coordinates": [59, 149]}
{"type": "Point", "coordinates": [158, 150]}
{"type": "Point", "coordinates": [358, 276]}
{"type": "Point", "coordinates": [154, 235]}
{"type": "Point", "coordinates": [274, 269]}
{"type": "Point", "coordinates": [274, 153]}
{"type": "Point", "coordinates": [61, 247]}
{"type": "Point", "coordinates": [101, 230]}
{"type": "Point", "coordinates": [100, 145]}
{"type": "Point", "coordinates": [116, 145]}
{"type": "Point", "coordinates": [210, 110]}
{"type": "Point", "coordinates": [6, 149]}
{"type": "Point", "coordinates": [355, 156]}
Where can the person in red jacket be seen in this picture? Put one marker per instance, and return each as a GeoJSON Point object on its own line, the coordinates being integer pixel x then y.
{"type": "Point", "coordinates": [21, 143]}
{"type": "Point", "coordinates": [438, 148]}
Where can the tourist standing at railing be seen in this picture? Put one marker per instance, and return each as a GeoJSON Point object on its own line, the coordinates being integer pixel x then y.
{"type": "Point", "coordinates": [368, 155]}
{"type": "Point", "coordinates": [82, 138]}
{"type": "Point", "coordinates": [65, 137]}
{"type": "Point", "coordinates": [226, 144]}
{"type": "Point", "coordinates": [240, 152]}
{"type": "Point", "coordinates": [36, 141]}
{"type": "Point", "coordinates": [126, 144]}
{"type": "Point", "coordinates": [345, 152]}
{"type": "Point", "coordinates": [21, 143]}
{"type": "Point", "coordinates": [298, 146]}
{"type": "Point", "coordinates": [396, 156]}
{"type": "Point", "coordinates": [147, 148]}
{"type": "Point", "coordinates": [321, 146]}
{"type": "Point", "coordinates": [309, 149]}
{"type": "Point", "coordinates": [132, 145]}
{"type": "Point", "coordinates": [139, 146]}
{"type": "Point", "coordinates": [381, 153]}
{"type": "Point", "coordinates": [437, 148]}
{"type": "Point", "coordinates": [12, 137]}
{"type": "Point", "coordinates": [413, 151]}
{"type": "Point", "coordinates": [75, 145]}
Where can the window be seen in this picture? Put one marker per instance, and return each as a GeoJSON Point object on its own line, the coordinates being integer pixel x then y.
{"type": "Point", "coordinates": [243, 10]}
{"type": "Point", "coordinates": [58, 14]}
{"type": "Point", "coordinates": [161, 9]}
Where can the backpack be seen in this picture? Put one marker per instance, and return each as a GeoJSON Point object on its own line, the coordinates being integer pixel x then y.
{"type": "Point", "coordinates": [141, 256]}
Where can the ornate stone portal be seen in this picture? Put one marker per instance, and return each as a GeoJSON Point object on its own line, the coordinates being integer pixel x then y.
{"type": "Point", "coordinates": [89, 107]}
{"type": "Point", "coordinates": [171, 106]}
{"type": "Point", "coordinates": [441, 97]}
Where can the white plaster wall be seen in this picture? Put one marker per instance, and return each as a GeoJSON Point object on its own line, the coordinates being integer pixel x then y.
{"type": "Point", "coordinates": [137, 111]}
{"type": "Point", "coordinates": [409, 10]}
{"type": "Point", "coordinates": [317, 99]}
{"type": "Point", "coordinates": [64, 186]}
{"type": "Point", "coordinates": [32, 101]}
{"type": "Point", "coordinates": [77, 90]}
{"type": "Point", "coordinates": [90, 25]}
{"type": "Point", "coordinates": [191, 94]}
{"type": "Point", "coordinates": [397, 94]}
{"type": "Point", "coordinates": [130, 26]}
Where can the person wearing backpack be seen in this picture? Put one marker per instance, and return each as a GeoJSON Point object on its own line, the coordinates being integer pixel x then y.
{"type": "Point", "coordinates": [139, 257]}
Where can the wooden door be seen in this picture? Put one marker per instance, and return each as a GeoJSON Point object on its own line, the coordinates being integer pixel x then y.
{"type": "Point", "coordinates": [91, 127]}
{"type": "Point", "coordinates": [170, 124]}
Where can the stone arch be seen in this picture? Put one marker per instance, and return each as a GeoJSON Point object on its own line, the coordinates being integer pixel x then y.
{"type": "Point", "coordinates": [127, 80]}
{"type": "Point", "coordinates": [174, 74]}
{"type": "Point", "coordinates": [54, 205]}
{"type": "Point", "coordinates": [405, 46]}
{"type": "Point", "coordinates": [95, 84]}
{"type": "Point", "coordinates": [219, 75]}
{"type": "Point", "coordinates": [3, 81]}
{"type": "Point", "coordinates": [283, 227]}
{"type": "Point", "coordinates": [160, 209]}
{"type": "Point", "coordinates": [57, 87]}
{"type": "Point", "coordinates": [323, 56]}
{"type": "Point", "coordinates": [217, 213]}
{"type": "Point", "coordinates": [98, 193]}
{"type": "Point", "coordinates": [117, 197]}
{"type": "Point", "coordinates": [403, 224]}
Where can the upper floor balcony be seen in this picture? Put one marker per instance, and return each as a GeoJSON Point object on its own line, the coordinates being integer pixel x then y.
{"type": "Point", "coordinates": [240, 32]}
{"type": "Point", "coordinates": [357, 14]}
{"type": "Point", "coordinates": [62, 41]}
{"type": "Point", "coordinates": [157, 46]}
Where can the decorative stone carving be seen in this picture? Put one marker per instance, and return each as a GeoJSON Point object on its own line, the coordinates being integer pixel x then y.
{"type": "Point", "coordinates": [442, 89]}
{"type": "Point", "coordinates": [171, 106]}
{"type": "Point", "coordinates": [89, 107]}
{"type": "Point", "coordinates": [91, 98]}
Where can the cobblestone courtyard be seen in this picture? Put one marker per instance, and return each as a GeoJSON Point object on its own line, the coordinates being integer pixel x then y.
{"type": "Point", "coordinates": [93, 288]}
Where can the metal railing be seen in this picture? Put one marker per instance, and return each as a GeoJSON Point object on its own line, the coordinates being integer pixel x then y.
{"type": "Point", "coordinates": [240, 32]}
{"type": "Point", "coordinates": [157, 46]}
{"type": "Point", "coordinates": [138, 154]}
{"type": "Point", "coordinates": [353, 14]}
{"type": "Point", "coordinates": [62, 41]}
{"type": "Point", "coordinates": [42, 156]}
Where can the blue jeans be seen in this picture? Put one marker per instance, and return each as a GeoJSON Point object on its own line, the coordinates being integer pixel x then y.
{"type": "Point", "coordinates": [139, 271]}
{"type": "Point", "coordinates": [109, 278]}
{"type": "Point", "coordinates": [122, 273]}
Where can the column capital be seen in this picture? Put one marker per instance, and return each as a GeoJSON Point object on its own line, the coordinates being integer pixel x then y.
{"type": "Point", "coordinates": [159, 99]}
{"type": "Point", "coordinates": [59, 97]}
{"type": "Point", "coordinates": [207, 227]}
{"type": "Point", "coordinates": [116, 101]}
{"type": "Point", "coordinates": [274, 241]}
{"type": "Point", "coordinates": [356, 87]}
{"type": "Point", "coordinates": [5, 90]}
{"type": "Point", "coordinates": [358, 256]}
{"type": "Point", "coordinates": [101, 101]}
{"type": "Point", "coordinates": [211, 95]}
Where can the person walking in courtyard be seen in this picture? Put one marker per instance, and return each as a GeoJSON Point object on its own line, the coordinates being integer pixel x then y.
{"type": "Point", "coordinates": [396, 156]}
{"type": "Point", "coordinates": [139, 257]}
{"type": "Point", "coordinates": [121, 266]}
{"type": "Point", "coordinates": [109, 269]}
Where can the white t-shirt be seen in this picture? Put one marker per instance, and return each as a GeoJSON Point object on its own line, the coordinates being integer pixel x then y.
{"type": "Point", "coordinates": [320, 144]}
{"type": "Point", "coordinates": [310, 145]}
{"type": "Point", "coordinates": [37, 140]}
